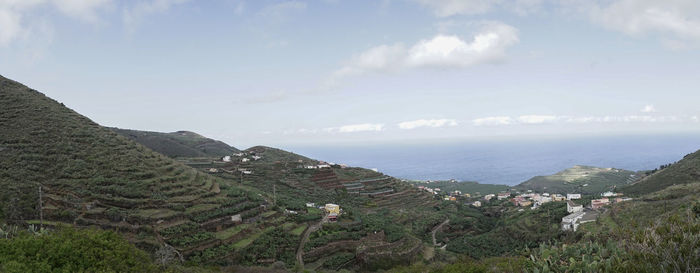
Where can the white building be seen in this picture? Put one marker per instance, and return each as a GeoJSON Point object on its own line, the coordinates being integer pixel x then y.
{"type": "Point", "coordinates": [609, 194]}
{"type": "Point", "coordinates": [226, 158]}
{"type": "Point", "coordinates": [255, 157]}
{"type": "Point", "coordinates": [570, 222]}
{"type": "Point", "coordinates": [571, 207]}
{"type": "Point", "coordinates": [245, 159]}
{"type": "Point", "coordinates": [310, 205]}
{"type": "Point", "coordinates": [476, 204]}
{"type": "Point", "coordinates": [572, 196]}
{"type": "Point", "coordinates": [489, 196]}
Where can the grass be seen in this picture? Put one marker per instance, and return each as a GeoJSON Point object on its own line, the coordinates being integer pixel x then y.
{"type": "Point", "coordinates": [298, 230]}
{"type": "Point", "coordinates": [230, 232]}
{"type": "Point", "coordinates": [245, 242]}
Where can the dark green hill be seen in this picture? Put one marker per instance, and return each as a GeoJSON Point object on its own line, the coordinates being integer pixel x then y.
{"type": "Point", "coordinates": [179, 144]}
{"type": "Point", "coordinates": [685, 171]}
{"type": "Point", "coordinates": [248, 212]}
{"type": "Point", "coordinates": [580, 179]}
{"type": "Point", "coordinates": [270, 154]}
{"type": "Point", "coordinates": [92, 176]}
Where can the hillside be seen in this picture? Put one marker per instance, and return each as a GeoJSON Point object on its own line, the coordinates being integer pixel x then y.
{"type": "Point", "coordinates": [91, 176]}
{"type": "Point", "coordinates": [685, 171]}
{"type": "Point", "coordinates": [179, 144]}
{"type": "Point", "coordinates": [580, 179]}
{"type": "Point", "coordinates": [472, 188]}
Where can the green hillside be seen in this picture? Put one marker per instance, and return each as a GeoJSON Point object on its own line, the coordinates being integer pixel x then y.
{"type": "Point", "coordinates": [179, 144]}
{"type": "Point", "coordinates": [580, 179]}
{"type": "Point", "coordinates": [465, 187]}
{"type": "Point", "coordinates": [92, 176]}
{"type": "Point", "coordinates": [685, 171]}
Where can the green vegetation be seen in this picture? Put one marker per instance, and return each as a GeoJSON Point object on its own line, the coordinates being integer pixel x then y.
{"type": "Point", "coordinates": [179, 144]}
{"type": "Point", "coordinates": [580, 179]}
{"type": "Point", "coordinates": [510, 232]}
{"type": "Point", "coordinates": [72, 250]}
{"type": "Point", "coordinates": [92, 176]}
{"type": "Point", "coordinates": [465, 187]}
{"type": "Point", "coordinates": [684, 171]}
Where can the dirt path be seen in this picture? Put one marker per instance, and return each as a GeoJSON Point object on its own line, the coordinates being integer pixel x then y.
{"type": "Point", "coordinates": [305, 238]}
{"type": "Point", "coordinates": [435, 229]}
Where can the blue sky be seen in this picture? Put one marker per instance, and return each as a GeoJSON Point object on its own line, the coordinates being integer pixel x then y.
{"type": "Point", "coordinates": [306, 72]}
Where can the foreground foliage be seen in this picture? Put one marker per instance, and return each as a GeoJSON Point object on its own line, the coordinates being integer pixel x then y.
{"type": "Point", "coordinates": [72, 250]}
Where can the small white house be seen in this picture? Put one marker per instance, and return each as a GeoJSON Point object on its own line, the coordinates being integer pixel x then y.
{"type": "Point", "coordinates": [573, 196]}
{"type": "Point", "coordinates": [476, 204]}
{"type": "Point", "coordinates": [570, 222]}
{"type": "Point", "coordinates": [310, 205]}
{"type": "Point", "coordinates": [609, 194]}
{"type": "Point", "coordinates": [245, 159]}
{"type": "Point", "coordinates": [226, 158]}
{"type": "Point", "coordinates": [255, 157]}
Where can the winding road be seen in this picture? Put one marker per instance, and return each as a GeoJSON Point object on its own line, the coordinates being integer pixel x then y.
{"type": "Point", "coordinates": [438, 227]}
{"type": "Point", "coordinates": [305, 238]}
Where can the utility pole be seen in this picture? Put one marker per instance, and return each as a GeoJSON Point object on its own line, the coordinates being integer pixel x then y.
{"type": "Point", "coordinates": [41, 211]}
{"type": "Point", "coordinates": [274, 195]}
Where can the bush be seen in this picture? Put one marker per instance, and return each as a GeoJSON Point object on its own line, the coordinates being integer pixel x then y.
{"type": "Point", "coordinates": [72, 250]}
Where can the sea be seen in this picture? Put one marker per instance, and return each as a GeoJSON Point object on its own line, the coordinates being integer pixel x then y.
{"type": "Point", "coordinates": [507, 161]}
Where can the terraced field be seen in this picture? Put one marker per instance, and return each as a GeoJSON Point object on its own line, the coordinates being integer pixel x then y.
{"type": "Point", "coordinates": [91, 176]}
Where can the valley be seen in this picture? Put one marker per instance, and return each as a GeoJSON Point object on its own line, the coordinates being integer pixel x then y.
{"type": "Point", "coordinates": [189, 203]}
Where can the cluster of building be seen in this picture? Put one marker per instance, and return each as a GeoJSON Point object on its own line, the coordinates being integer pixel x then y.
{"type": "Point", "coordinates": [536, 199]}
{"type": "Point", "coordinates": [243, 155]}
{"type": "Point", "coordinates": [333, 210]}
{"type": "Point", "coordinates": [323, 164]}
{"type": "Point", "coordinates": [579, 215]}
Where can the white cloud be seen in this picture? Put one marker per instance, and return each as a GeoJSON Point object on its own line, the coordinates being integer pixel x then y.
{"type": "Point", "coordinates": [648, 109]}
{"type": "Point", "coordinates": [134, 15]}
{"type": "Point", "coordinates": [492, 121]}
{"type": "Point", "coordinates": [353, 128]}
{"type": "Point", "coordinates": [550, 119]}
{"type": "Point", "coordinates": [280, 11]}
{"type": "Point", "coordinates": [676, 20]}
{"type": "Point", "coordinates": [695, 119]}
{"type": "Point", "coordinates": [82, 9]}
{"type": "Point", "coordinates": [537, 119]}
{"type": "Point", "coordinates": [407, 125]}
{"type": "Point", "coordinates": [13, 13]}
{"type": "Point", "coordinates": [446, 8]}
{"type": "Point", "coordinates": [442, 51]}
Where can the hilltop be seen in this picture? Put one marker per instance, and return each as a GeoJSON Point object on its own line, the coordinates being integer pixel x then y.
{"type": "Point", "coordinates": [685, 171]}
{"type": "Point", "coordinates": [179, 144]}
{"type": "Point", "coordinates": [580, 179]}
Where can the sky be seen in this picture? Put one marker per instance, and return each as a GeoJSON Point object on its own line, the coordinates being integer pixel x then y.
{"type": "Point", "coordinates": [331, 71]}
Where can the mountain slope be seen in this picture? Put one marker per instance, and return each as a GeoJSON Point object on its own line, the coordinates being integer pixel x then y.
{"type": "Point", "coordinates": [580, 179]}
{"type": "Point", "coordinates": [685, 171]}
{"type": "Point", "coordinates": [179, 144]}
{"type": "Point", "coordinates": [91, 176]}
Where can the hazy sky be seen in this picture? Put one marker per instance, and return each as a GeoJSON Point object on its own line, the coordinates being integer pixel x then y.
{"type": "Point", "coordinates": [291, 72]}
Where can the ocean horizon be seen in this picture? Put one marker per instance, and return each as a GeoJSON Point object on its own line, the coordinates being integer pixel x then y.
{"type": "Point", "coordinates": [506, 161]}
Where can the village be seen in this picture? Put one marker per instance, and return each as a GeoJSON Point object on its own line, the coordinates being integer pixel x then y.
{"type": "Point", "coordinates": [578, 213]}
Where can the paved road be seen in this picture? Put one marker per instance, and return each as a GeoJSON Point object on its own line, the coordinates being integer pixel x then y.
{"type": "Point", "coordinates": [435, 229]}
{"type": "Point", "coordinates": [305, 238]}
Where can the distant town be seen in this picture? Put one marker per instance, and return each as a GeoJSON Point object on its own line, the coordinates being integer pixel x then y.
{"type": "Point", "coordinates": [580, 212]}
